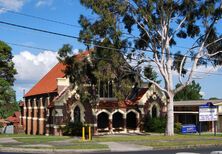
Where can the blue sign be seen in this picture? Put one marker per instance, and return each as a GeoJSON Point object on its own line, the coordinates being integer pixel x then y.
{"type": "Point", "coordinates": [208, 105]}
{"type": "Point", "coordinates": [190, 128]}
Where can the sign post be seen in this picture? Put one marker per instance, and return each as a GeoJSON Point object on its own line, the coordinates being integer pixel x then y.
{"type": "Point", "coordinates": [208, 112]}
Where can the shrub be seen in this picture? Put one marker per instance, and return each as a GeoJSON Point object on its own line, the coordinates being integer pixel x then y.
{"type": "Point", "coordinates": [154, 124]}
{"type": "Point", "coordinates": [177, 127]}
{"type": "Point", "coordinates": [73, 129]}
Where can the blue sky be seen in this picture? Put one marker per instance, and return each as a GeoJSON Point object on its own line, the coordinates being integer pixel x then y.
{"type": "Point", "coordinates": [32, 64]}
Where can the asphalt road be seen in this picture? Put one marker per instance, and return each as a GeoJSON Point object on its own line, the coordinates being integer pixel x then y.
{"type": "Point", "coordinates": [197, 150]}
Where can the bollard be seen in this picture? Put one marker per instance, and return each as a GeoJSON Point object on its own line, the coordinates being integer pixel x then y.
{"type": "Point", "coordinates": [83, 133]}
{"type": "Point", "coordinates": [90, 135]}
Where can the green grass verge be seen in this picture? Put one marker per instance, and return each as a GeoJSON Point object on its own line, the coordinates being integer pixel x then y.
{"type": "Point", "coordinates": [79, 145]}
{"type": "Point", "coordinates": [13, 135]}
{"type": "Point", "coordinates": [40, 139]}
{"type": "Point", "coordinates": [82, 145]}
{"type": "Point", "coordinates": [183, 144]}
{"type": "Point", "coordinates": [127, 138]}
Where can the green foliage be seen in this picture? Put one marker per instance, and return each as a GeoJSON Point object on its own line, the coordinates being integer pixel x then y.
{"type": "Point", "coordinates": [178, 60]}
{"type": "Point", "coordinates": [190, 92]}
{"type": "Point", "coordinates": [7, 71]}
{"type": "Point", "coordinates": [177, 128]}
{"type": "Point", "coordinates": [149, 73]}
{"type": "Point", "coordinates": [213, 98]}
{"type": "Point", "coordinates": [8, 105]}
{"type": "Point", "coordinates": [100, 66]}
{"type": "Point", "coordinates": [73, 129]}
{"type": "Point", "coordinates": [148, 30]}
{"type": "Point", "coordinates": [144, 21]}
{"type": "Point", "coordinates": [157, 125]}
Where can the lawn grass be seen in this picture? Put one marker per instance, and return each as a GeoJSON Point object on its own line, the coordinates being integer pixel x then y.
{"type": "Point", "coordinates": [161, 141]}
{"type": "Point", "coordinates": [75, 145]}
{"type": "Point", "coordinates": [183, 143]}
{"type": "Point", "coordinates": [84, 145]}
{"type": "Point", "coordinates": [35, 139]}
{"type": "Point", "coordinates": [127, 138]}
{"type": "Point", "coordinates": [13, 135]}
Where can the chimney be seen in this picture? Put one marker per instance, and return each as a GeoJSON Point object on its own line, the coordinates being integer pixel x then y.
{"type": "Point", "coordinates": [62, 83]}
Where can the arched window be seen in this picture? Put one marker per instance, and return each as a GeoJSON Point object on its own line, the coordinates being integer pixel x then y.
{"type": "Point", "coordinates": [77, 116]}
{"type": "Point", "coordinates": [154, 111]}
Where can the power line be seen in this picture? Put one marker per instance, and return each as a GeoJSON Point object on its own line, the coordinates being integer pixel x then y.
{"type": "Point", "coordinates": [41, 18]}
{"type": "Point", "coordinates": [29, 46]}
{"type": "Point", "coordinates": [74, 37]}
{"type": "Point", "coordinates": [39, 30]}
{"type": "Point", "coordinates": [58, 22]}
{"type": "Point", "coordinates": [40, 48]}
{"type": "Point", "coordinates": [60, 34]}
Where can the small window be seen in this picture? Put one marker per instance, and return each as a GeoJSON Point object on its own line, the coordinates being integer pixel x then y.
{"type": "Point", "coordinates": [77, 115]}
{"type": "Point", "coordinates": [105, 89]}
{"type": "Point", "coordinates": [154, 111]}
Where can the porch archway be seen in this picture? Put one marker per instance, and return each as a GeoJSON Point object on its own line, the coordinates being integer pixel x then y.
{"type": "Point", "coordinates": [103, 120]}
{"type": "Point", "coordinates": [131, 120]}
{"type": "Point", "coordinates": [118, 121]}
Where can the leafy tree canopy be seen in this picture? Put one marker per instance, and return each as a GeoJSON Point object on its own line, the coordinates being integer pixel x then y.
{"type": "Point", "coordinates": [190, 92]}
{"type": "Point", "coordinates": [100, 69]}
{"type": "Point", "coordinates": [7, 72]}
{"type": "Point", "coordinates": [149, 73]}
{"type": "Point", "coordinates": [213, 98]}
{"type": "Point", "coordinates": [147, 31]}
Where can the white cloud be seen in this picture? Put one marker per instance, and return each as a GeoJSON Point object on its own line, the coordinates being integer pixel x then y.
{"type": "Point", "coordinates": [31, 68]}
{"type": "Point", "coordinates": [75, 51]}
{"type": "Point", "coordinates": [202, 93]}
{"type": "Point", "coordinates": [44, 3]}
{"type": "Point", "coordinates": [14, 5]}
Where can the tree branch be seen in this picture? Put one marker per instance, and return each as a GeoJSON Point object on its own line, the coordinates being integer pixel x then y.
{"type": "Point", "coordinates": [213, 54]}
{"type": "Point", "coordinates": [156, 84]}
{"type": "Point", "coordinates": [179, 26]}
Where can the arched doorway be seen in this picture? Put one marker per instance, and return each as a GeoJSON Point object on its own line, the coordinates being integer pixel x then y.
{"type": "Point", "coordinates": [103, 120]}
{"type": "Point", "coordinates": [77, 115]}
{"type": "Point", "coordinates": [131, 120]}
{"type": "Point", "coordinates": [118, 121]}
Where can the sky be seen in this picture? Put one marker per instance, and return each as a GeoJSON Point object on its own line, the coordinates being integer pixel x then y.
{"type": "Point", "coordinates": [33, 64]}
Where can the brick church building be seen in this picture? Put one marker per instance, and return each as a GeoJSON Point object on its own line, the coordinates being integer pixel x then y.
{"type": "Point", "coordinates": [52, 103]}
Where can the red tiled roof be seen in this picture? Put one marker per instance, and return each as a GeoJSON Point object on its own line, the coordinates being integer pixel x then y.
{"type": "Point", "coordinates": [140, 94]}
{"type": "Point", "coordinates": [112, 104]}
{"type": "Point", "coordinates": [48, 83]}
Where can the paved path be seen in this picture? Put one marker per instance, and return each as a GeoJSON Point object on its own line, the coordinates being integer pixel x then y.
{"type": "Point", "coordinates": [123, 146]}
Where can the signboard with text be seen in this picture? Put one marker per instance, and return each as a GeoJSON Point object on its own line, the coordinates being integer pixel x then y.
{"type": "Point", "coordinates": [208, 112]}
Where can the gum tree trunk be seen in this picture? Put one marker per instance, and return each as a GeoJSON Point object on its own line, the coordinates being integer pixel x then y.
{"type": "Point", "coordinates": [170, 117]}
